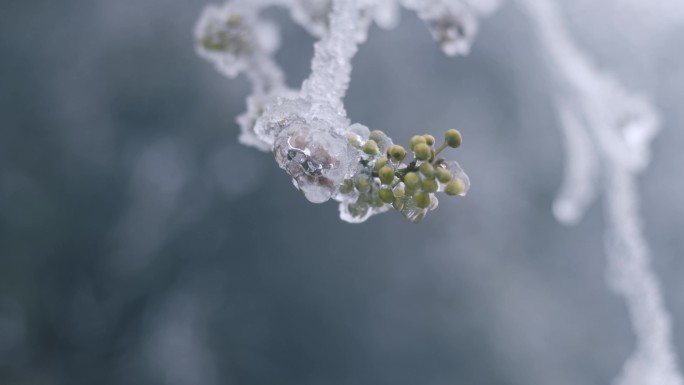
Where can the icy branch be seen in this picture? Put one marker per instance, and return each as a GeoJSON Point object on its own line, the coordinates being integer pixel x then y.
{"type": "Point", "coordinates": [308, 130]}
{"type": "Point", "coordinates": [608, 131]}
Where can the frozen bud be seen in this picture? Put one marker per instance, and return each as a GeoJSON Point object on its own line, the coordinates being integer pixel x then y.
{"type": "Point", "coordinates": [422, 151]}
{"type": "Point", "coordinates": [455, 187]}
{"type": "Point", "coordinates": [362, 184]}
{"type": "Point", "coordinates": [416, 140]}
{"type": "Point", "coordinates": [411, 180]}
{"type": "Point", "coordinates": [453, 138]}
{"type": "Point", "coordinates": [443, 175]}
{"type": "Point", "coordinates": [383, 141]}
{"type": "Point", "coordinates": [396, 153]}
{"type": "Point", "coordinates": [386, 195]}
{"type": "Point", "coordinates": [454, 29]}
{"type": "Point", "coordinates": [354, 140]}
{"type": "Point", "coordinates": [429, 139]}
{"type": "Point", "coordinates": [458, 175]}
{"type": "Point", "coordinates": [371, 147]}
{"type": "Point", "coordinates": [380, 163]}
{"type": "Point", "coordinates": [422, 199]}
{"type": "Point", "coordinates": [427, 170]}
{"type": "Point", "coordinates": [230, 36]}
{"type": "Point", "coordinates": [429, 185]}
{"type": "Point", "coordinates": [347, 186]}
{"type": "Point", "coordinates": [386, 175]}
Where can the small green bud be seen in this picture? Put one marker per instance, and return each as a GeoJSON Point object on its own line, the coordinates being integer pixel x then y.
{"type": "Point", "coordinates": [396, 152]}
{"type": "Point", "coordinates": [429, 139]}
{"type": "Point", "coordinates": [377, 136]}
{"type": "Point", "coordinates": [455, 187]}
{"type": "Point", "coordinates": [347, 186]}
{"type": "Point", "coordinates": [370, 148]}
{"type": "Point", "coordinates": [429, 185]}
{"type": "Point", "coordinates": [380, 163]}
{"type": "Point", "coordinates": [378, 202]}
{"type": "Point", "coordinates": [386, 175]}
{"type": "Point", "coordinates": [416, 140]}
{"type": "Point", "coordinates": [386, 195]}
{"type": "Point", "coordinates": [353, 140]}
{"type": "Point", "coordinates": [422, 200]}
{"type": "Point", "coordinates": [422, 151]}
{"type": "Point", "coordinates": [362, 184]}
{"type": "Point", "coordinates": [453, 138]}
{"type": "Point", "coordinates": [443, 175]}
{"type": "Point", "coordinates": [411, 180]}
{"type": "Point", "coordinates": [427, 170]}
{"type": "Point", "coordinates": [365, 199]}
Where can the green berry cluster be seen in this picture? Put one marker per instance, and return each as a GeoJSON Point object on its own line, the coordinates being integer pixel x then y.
{"type": "Point", "coordinates": [232, 37]}
{"type": "Point", "coordinates": [386, 179]}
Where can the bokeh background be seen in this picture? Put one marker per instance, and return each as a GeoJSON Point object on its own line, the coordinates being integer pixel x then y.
{"type": "Point", "coordinates": [141, 244]}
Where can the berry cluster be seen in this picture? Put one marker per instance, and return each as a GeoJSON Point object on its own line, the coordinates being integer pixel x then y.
{"type": "Point", "coordinates": [384, 180]}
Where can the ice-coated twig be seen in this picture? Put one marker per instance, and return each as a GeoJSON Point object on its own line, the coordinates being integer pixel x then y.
{"type": "Point", "coordinates": [331, 65]}
{"type": "Point", "coordinates": [308, 130]}
{"type": "Point", "coordinates": [608, 131]}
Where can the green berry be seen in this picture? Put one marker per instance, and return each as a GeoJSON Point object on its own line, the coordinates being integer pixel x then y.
{"type": "Point", "coordinates": [455, 187]}
{"type": "Point", "coordinates": [380, 163]}
{"type": "Point", "coordinates": [362, 184]}
{"type": "Point", "coordinates": [422, 151]}
{"type": "Point", "coordinates": [371, 147]}
{"type": "Point", "coordinates": [416, 140]}
{"type": "Point", "coordinates": [377, 136]}
{"type": "Point", "coordinates": [411, 180]}
{"type": "Point", "coordinates": [396, 152]}
{"type": "Point", "coordinates": [386, 175]}
{"type": "Point", "coordinates": [453, 138]}
{"type": "Point", "coordinates": [347, 186]}
{"type": "Point", "coordinates": [353, 140]}
{"type": "Point", "coordinates": [443, 175]}
{"type": "Point", "coordinates": [429, 139]}
{"type": "Point", "coordinates": [422, 200]}
{"type": "Point", "coordinates": [427, 170]}
{"type": "Point", "coordinates": [429, 185]}
{"type": "Point", "coordinates": [386, 195]}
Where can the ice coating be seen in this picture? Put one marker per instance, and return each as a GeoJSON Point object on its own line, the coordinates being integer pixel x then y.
{"type": "Point", "coordinates": [316, 157]}
{"type": "Point", "coordinates": [313, 15]}
{"type": "Point", "coordinates": [256, 106]}
{"type": "Point", "coordinates": [452, 23]}
{"type": "Point", "coordinates": [331, 64]}
{"type": "Point", "coordinates": [308, 130]}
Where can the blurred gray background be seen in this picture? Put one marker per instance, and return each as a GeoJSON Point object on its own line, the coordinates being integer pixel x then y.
{"type": "Point", "coordinates": [140, 244]}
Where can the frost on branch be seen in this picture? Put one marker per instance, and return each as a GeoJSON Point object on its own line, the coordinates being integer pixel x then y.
{"type": "Point", "coordinates": [608, 131]}
{"type": "Point", "coordinates": [308, 130]}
